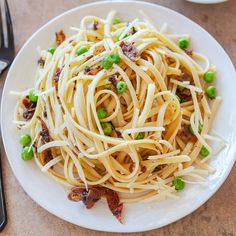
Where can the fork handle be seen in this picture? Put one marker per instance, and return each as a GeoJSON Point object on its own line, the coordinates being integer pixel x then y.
{"type": "Point", "coordinates": [3, 66]}
{"type": "Point", "coordinates": [3, 214]}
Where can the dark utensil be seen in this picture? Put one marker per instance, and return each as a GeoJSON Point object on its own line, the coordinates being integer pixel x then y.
{"type": "Point", "coordinates": [7, 53]}
{"type": "Point", "coordinates": [3, 213]}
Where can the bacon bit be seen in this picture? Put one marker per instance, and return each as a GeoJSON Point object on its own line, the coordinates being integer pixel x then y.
{"type": "Point", "coordinates": [98, 50]}
{"type": "Point", "coordinates": [184, 94]}
{"type": "Point", "coordinates": [88, 197]}
{"type": "Point", "coordinates": [188, 52]}
{"type": "Point", "coordinates": [87, 69]}
{"type": "Point", "coordinates": [133, 30]}
{"type": "Point", "coordinates": [47, 156]}
{"type": "Point", "coordinates": [28, 115]}
{"type": "Point", "coordinates": [76, 147]}
{"type": "Point", "coordinates": [41, 62]}
{"type": "Point", "coordinates": [186, 77]}
{"type": "Point", "coordinates": [93, 70]}
{"type": "Point", "coordinates": [35, 146]}
{"type": "Point", "coordinates": [118, 133]}
{"type": "Point", "coordinates": [185, 134]}
{"type": "Point", "coordinates": [60, 37]}
{"type": "Point", "coordinates": [114, 204]}
{"type": "Point", "coordinates": [75, 194]}
{"type": "Point", "coordinates": [131, 167]}
{"type": "Point", "coordinates": [129, 50]}
{"type": "Point", "coordinates": [57, 74]}
{"type": "Point", "coordinates": [44, 133]}
{"type": "Point", "coordinates": [45, 112]}
{"type": "Point", "coordinates": [158, 168]}
{"type": "Point", "coordinates": [113, 80]}
{"type": "Point", "coordinates": [143, 169]}
{"type": "Point", "coordinates": [30, 108]}
{"type": "Point", "coordinates": [169, 60]}
{"type": "Point", "coordinates": [92, 195]}
{"type": "Point", "coordinates": [95, 25]}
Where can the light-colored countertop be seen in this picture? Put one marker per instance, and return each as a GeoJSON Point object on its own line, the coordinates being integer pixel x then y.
{"type": "Point", "coordinates": [216, 217]}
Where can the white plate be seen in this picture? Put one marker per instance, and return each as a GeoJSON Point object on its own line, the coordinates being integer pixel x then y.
{"type": "Point", "coordinates": [140, 216]}
{"type": "Point", "coordinates": [207, 1]}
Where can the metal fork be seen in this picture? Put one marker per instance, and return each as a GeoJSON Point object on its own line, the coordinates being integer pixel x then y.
{"type": "Point", "coordinates": [7, 53]}
{"type": "Point", "coordinates": [7, 49]}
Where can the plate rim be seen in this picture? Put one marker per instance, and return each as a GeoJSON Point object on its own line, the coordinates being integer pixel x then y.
{"type": "Point", "coordinates": [208, 1]}
{"type": "Point", "coordinates": [61, 216]}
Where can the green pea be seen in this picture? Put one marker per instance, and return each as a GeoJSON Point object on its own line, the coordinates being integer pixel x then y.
{"type": "Point", "coordinates": [27, 153]}
{"type": "Point", "coordinates": [32, 96]}
{"type": "Point", "coordinates": [82, 49]}
{"type": "Point", "coordinates": [209, 76]}
{"type": "Point", "coordinates": [115, 58]}
{"type": "Point", "coordinates": [183, 42]}
{"type": "Point", "coordinates": [117, 21]}
{"type": "Point", "coordinates": [211, 92]}
{"type": "Point", "coordinates": [140, 136]}
{"type": "Point", "coordinates": [101, 113]}
{"type": "Point", "coordinates": [107, 62]}
{"type": "Point", "coordinates": [121, 87]}
{"type": "Point", "coordinates": [25, 139]}
{"type": "Point", "coordinates": [178, 183]}
{"type": "Point", "coordinates": [200, 126]}
{"type": "Point", "coordinates": [107, 128]}
{"type": "Point", "coordinates": [204, 152]}
{"type": "Point", "coordinates": [51, 50]}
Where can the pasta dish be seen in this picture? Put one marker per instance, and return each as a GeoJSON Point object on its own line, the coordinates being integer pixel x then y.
{"type": "Point", "coordinates": [120, 110]}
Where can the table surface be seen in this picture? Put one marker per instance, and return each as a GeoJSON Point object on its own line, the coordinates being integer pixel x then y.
{"type": "Point", "coordinates": [216, 217]}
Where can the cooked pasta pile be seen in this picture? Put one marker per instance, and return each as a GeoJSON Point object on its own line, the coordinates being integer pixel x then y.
{"type": "Point", "coordinates": [122, 106]}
